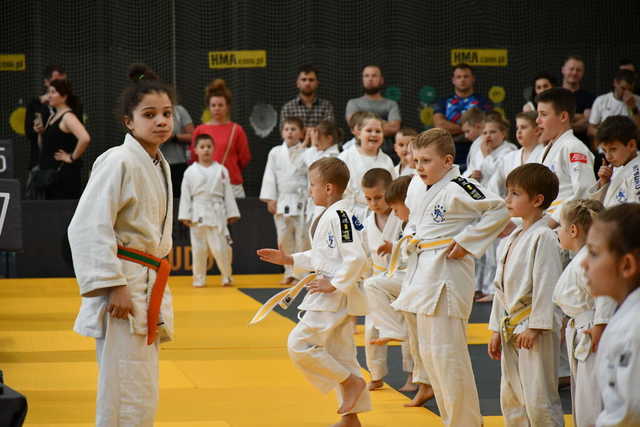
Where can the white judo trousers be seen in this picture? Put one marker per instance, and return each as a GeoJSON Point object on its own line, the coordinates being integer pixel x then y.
{"type": "Point", "coordinates": [321, 346]}
{"type": "Point", "coordinates": [419, 374]}
{"type": "Point", "coordinates": [442, 342]}
{"type": "Point", "coordinates": [128, 377]}
{"type": "Point", "coordinates": [585, 401]}
{"type": "Point", "coordinates": [384, 321]}
{"type": "Point", "coordinates": [207, 241]}
{"type": "Point", "coordinates": [529, 380]}
{"type": "Point", "coordinates": [292, 233]}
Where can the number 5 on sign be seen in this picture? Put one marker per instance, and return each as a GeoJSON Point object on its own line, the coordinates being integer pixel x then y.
{"type": "Point", "coordinates": [4, 199]}
{"type": "Point", "coordinates": [3, 163]}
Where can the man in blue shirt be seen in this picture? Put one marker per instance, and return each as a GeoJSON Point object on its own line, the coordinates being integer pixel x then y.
{"type": "Point", "coordinates": [448, 111]}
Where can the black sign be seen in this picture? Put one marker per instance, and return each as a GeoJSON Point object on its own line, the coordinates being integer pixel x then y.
{"type": "Point", "coordinates": [7, 164]}
{"type": "Point", "coordinates": [10, 215]}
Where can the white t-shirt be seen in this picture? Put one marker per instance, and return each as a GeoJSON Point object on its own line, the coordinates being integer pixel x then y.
{"type": "Point", "coordinates": [607, 105]}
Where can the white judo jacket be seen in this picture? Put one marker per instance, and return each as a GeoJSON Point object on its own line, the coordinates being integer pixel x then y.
{"type": "Point", "coordinates": [337, 252]}
{"type": "Point", "coordinates": [127, 203]}
{"type": "Point", "coordinates": [572, 162]}
{"type": "Point", "coordinates": [285, 179]}
{"type": "Point", "coordinates": [487, 165]}
{"type": "Point", "coordinates": [498, 180]}
{"type": "Point", "coordinates": [207, 196]}
{"type": "Point", "coordinates": [374, 238]}
{"type": "Point", "coordinates": [624, 186]}
{"type": "Point", "coordinates": [529, 266]}
{"type": "Point", "coordinates": [618, 364]}
{"type": "Point", "coordinates": [453, 208]}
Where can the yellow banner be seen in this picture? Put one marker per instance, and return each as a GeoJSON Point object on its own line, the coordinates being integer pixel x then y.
{"type": "Point", "coordinates": [238, 59]}
{"type": "Point", "coordinates": [13, 62]}
{"type": "Point", "coordinates": [480, 57]}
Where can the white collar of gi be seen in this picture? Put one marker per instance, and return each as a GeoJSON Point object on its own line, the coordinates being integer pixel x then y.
{"type": "Point", "coordinates": [136, 147]}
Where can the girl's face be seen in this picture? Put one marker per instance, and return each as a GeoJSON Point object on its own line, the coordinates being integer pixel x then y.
{"type": "Point", "coordinates": [323, 141]}
{"type": "Point", "coordinates": [565, 234]}
{"type": "Point", "coordinates": [54, 97]}
{"type": "Point", "coordinates": [542, 85]}
{"type": "Point", "coordinates": [371, 136]}
{"type": "Point", "coordinates": [151, 122]}
{"type": "Point", "coordinates": [603, 267]}
{"type": "Point", "coordinates": [218, 108]}
{"type": "Point", "coordinates": [526, 133]}
{"type": "Point", "coordinates": [493, 135]}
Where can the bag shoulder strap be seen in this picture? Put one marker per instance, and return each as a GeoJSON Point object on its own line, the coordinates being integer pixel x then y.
{"type": "Point", "coordinates": [229, 143]}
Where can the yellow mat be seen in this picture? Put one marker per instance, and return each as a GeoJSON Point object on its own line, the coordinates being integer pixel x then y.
{"type": "Point", "coordinates": [217, 373]}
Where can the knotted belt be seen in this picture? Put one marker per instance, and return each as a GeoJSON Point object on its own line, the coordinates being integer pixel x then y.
{"type": "Point", "coordinates": [162, 269]}
{"type": "Point", "coordinates": [510, 321]}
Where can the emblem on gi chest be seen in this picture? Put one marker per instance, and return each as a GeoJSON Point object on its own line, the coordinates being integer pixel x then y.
{"type": "Point", "coordinates": [331, 240]}
{"type": "Point", "coordinates": [621, 197]}
{"type": "Point", "coordinates": [438, 213]}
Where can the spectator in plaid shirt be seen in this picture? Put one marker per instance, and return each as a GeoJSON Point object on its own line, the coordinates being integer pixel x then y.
{"type": "Point", "coordinates": [307, 106]}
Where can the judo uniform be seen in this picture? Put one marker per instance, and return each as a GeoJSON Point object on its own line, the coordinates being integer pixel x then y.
{"type": "Point", "coordinates": [285, 181]}
{"type": "Point", "coordinates": [127, 202]}
{"type": "Point", "coordinates": [498, 181]}
{"type": "Point", "coordinates": [572, 162]}
{"type": "Point", "coordinates": [381, 291]}
{"type": "Point", "coordinates": [573, 296]}
{"type": "Point", "coordinates": [321, 345]}
{"type": "Point", "coordinates": [440, 290]}
{"type": "Point", "coordinates": [358, 165]}
{"type": "Point", "coordinates": [624, 186]}
{"type": "Point", "coordinates": [403, 170]}
{"type": "Point", "coordinates": [618, 366]}
{"type": "Point", "coordinates": [207, 200]}
{"type": "Point", "coordinates": [528, 269]}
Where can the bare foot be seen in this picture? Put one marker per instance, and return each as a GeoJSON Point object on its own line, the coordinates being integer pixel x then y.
{"type": "Point", "coordinates": [409, 385]}
{"type": "Point", "coordinates": [375, 385]}
{"type": "Point", "coordinates": [425, 393]}
{"type": "Point", "coordinates": [384, 340]}
{"type": "Point", "coordinates": [352, 388]}
{"type": "Point", "coordinates": [486, 298]}
{"type": "Point", "coordinates": [349, 420]}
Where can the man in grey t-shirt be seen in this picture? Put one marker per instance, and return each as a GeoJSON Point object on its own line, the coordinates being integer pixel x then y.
{"type": "Point", "coordinates": [373, 101]}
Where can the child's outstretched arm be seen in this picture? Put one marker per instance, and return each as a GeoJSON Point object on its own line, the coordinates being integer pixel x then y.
{"type": "Point", "coordinates": [275, 256]}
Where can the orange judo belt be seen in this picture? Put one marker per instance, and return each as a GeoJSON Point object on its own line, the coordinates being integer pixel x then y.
{"type": "Point", "coordinates": [162, 269]}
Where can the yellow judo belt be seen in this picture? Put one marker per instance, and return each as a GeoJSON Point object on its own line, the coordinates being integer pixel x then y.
{"type": "Point", "coordinates": [420, 244]}
{"type": "Point", "coordinates": [552, 206]}
{"type": "Point", "coordinates": [510, 321]}
{"type": "Point", "coordinates": [162, 268]}
{"type": "Point", "coordinates": [283, 299]}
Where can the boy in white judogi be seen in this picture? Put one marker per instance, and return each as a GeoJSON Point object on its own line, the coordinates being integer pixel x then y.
{"type": "Point", "coordinates": [566, 156]}
{"type": "Point", "coordinates": [525, 324]}
{"type": "Point", "coordinates": [321, 345]}
{"type": "Point", "coordinates": [454, 218]}
{"type": "Point", "coordinates": [383, 324]}
{"type": "Point", "coordinates": [612, 267]}
{"type": "Point", "coordinates": [284, 190]}
{"type": "Point", "coordinates": [402, 147]}
{"type": "Point", "coordinates": [207, 205]}
{"type": "Point", "coordinates": [588, 315]}
{"type": "Point", "coordinates": [617, 137]}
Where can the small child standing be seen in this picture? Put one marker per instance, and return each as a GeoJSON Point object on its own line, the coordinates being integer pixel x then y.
{"type": "Point", "coordinates": [612, 265]}
{"type": "Point", "coordinates": [361, 158]}
{"type": "Point", "coordinates": [588, 315]}
{"type": "Point", "coordinates": [383, 323]}
{"type": "Point", "coordinates": [321, 345]}
{"type": "Point", "coordinates": [207, 205]}
{"type": "Point", "coordinates": [617, 137]}
{"type": "Point", "coordinates": [284, 190]}
{"type": "Point", "coordinates": [453, 219]}
{"type": "Point", "coordinates": [525, 325]}
{"type": "Point", "coordinates": [402, 147]}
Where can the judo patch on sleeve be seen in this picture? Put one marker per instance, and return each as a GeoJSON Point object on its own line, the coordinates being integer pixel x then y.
{"type": "Point", "coordinates": [470, 188]}
{"type": "Point", "coordinates": [345, 227]}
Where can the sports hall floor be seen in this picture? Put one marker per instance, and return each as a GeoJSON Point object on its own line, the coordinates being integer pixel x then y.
{"type": "Point", "coordinates": [218, 372]}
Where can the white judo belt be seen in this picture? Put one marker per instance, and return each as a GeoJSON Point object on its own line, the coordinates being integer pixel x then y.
{"type": "Point", "coordinates": [283, 299]}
